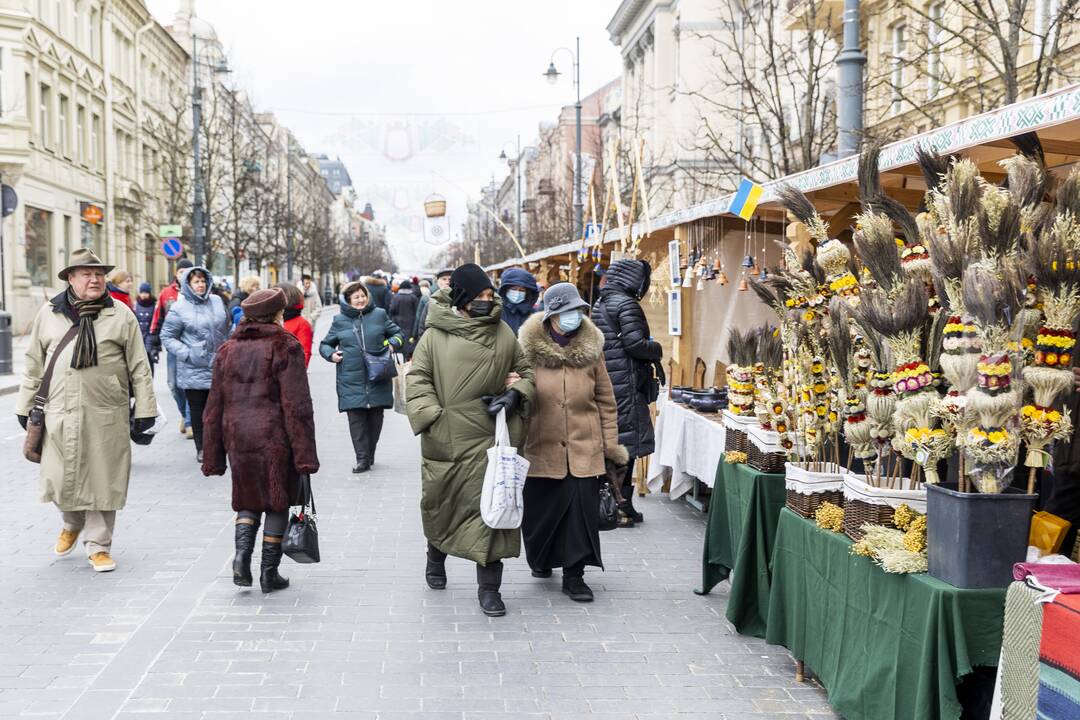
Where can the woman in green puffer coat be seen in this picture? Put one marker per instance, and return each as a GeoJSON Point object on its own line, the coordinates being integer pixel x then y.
{"type": "Point", "coordinates": [466, 368]}
{"type": "Point", "coordinates": [361, 400]}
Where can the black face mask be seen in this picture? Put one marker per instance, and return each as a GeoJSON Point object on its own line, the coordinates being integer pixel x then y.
{"type": "Point", "coordinates": [481, 308]}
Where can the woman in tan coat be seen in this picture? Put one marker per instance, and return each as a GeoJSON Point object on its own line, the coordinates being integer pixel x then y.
{"type": "Point", "coordinates": [573, 429]}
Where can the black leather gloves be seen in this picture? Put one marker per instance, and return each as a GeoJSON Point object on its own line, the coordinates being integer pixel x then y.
{"type": "Point", "coordinates": [508, 401]}
{"type": "Point", "coordinates": [139, 426]}
{"type": "Point", "coordinates": [22, 420]}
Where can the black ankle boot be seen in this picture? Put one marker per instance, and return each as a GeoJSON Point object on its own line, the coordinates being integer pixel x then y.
{"type": "Point", "coordinates": [245, 546]}
{"type": "Point", "coordinates": [626, 507]}
{"type": "Point", "coordinates": [269, 578]}
{"type": "Point", "coordinates": [576, 589]}
{"type": "Point", "coordinates": [435, 571]}
{"type": "Point", "coordinates": [489, 580]}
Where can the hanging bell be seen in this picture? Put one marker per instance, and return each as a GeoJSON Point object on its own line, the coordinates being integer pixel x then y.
{"type": "Point", "coordinates": [763, 274]}
{"type": "Point", "coordinates": [748, 262]}
{"type": "Point", "coordinates": [743, 284]}
{"type": "Point", "coordinates": [700, 284]}
{"type": "Point", "coordinates": [688, 279]}
{"type": "Point", "coordinates": [598, 269]}
{"type": "Point", "coordinates": [722, 278]}
{"type": "Point", "coordinates": [716, 265]}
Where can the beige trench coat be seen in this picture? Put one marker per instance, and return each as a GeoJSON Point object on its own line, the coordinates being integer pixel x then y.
{"type": "Point", "coordinates": [86, 456]}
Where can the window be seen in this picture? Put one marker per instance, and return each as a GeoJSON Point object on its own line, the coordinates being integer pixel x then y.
{"type": "Point", "coordinates": [29, 102]}
{"type": "Point", "coordinates": [935, 39]}
{"type": "Point", "coordinates": [44, 119]}
{"type": "Point", "coordinates": [38, 246]}
{"type": "Point", "coordinates": [68, 239]}
{"type": "Point", "coordinates": [80, 134]}
{"type": "Point", "coordinates": [63, 129]}
{"type": "Point", "coordinates": [95, 142]}
{"type": "Point", "coordinates": [95, 34]}
{"type": "Point", "coordinates": [76, 26]}
{"type": "Point", "coordinates": [899, 44]}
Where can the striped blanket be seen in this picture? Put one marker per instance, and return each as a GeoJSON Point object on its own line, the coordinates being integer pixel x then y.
{"type": "Point", "coordinates": [1059, 660]}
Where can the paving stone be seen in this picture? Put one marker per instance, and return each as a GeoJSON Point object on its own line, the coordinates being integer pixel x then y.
{"type": "Point", "coordinates": [359, 636]}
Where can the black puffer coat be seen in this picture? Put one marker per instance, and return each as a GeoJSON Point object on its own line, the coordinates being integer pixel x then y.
{"type": "Point", "coordinates": [629, 353]}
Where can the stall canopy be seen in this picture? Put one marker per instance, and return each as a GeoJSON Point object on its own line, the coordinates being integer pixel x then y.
{"type": "Point", "coordinates": [1054, 117]}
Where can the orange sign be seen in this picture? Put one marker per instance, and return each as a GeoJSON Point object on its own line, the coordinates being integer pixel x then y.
{"type": "Point", "coordinates": [92, 213]}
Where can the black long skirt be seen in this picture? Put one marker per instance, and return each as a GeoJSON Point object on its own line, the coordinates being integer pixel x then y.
{"type": "Point", "coordinates": [560, 526]}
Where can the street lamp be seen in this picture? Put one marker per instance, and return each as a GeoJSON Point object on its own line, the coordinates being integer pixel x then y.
{"type": "Point", "coordinates": [198, 221]}
{"type": "Point", "coordinates": [552, 75]}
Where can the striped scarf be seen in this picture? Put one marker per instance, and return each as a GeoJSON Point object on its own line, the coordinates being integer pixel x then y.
{"type": "Point", "coordinates": [85, 353]}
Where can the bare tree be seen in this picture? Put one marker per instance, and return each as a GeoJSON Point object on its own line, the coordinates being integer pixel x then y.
{"type": "Point", "coordinates": [983, 53]}
{"type": "Point", "coordinates": [171, 162]}
{"type": "Point", "coordinates": [768, 107]}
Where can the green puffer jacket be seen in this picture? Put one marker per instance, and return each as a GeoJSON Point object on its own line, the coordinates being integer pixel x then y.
{"type": "Point", "coordinates": [458, 361]}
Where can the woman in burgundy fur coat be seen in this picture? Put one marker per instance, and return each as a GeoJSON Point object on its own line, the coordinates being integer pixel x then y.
{"type": "Point", "coordinates": [259, 415]}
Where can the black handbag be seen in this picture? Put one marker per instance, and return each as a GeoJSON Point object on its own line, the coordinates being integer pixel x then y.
{"type": "Point", "coordinates": [380, 366]}
{"type": "Point", "coordinates": [301, 541]}
{"type": "Point", "coordinates": [609, 507]}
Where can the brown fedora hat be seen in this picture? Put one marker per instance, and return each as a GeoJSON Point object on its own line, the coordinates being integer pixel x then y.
{"type": "Point", "coordinates": [83, 257]}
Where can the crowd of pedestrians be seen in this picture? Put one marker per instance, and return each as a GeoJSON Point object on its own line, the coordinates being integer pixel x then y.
{"type": "Point", "coordinates": [574, 383]}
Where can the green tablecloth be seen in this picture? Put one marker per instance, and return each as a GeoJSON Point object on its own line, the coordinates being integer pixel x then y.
{"type": "Point", "coordinates": [885, 646]}
{"type": "Point", "coordinates": [743, 512]}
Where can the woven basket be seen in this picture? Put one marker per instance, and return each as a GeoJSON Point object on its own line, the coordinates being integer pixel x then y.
{"type": "Point", "coordinates": [865, 504]}
{"type": "Point", "coordinates": [736, 428]}
{"type": "Point", "coordinates": [766, 453]}
{"type": "Point", "coordinates": [808, 489]}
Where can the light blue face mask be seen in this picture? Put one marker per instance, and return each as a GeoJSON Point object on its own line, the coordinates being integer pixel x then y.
{"type": "Point", "coordinates": [515, 296]}
{"type": "Point", "coordinates": [570, 320]}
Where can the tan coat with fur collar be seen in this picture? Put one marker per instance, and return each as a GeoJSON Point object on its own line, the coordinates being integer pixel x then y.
{"type": "Point", "coordinates": [574, 424]}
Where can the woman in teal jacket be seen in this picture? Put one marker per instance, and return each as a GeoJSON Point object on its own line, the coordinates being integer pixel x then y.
{"type": "Point", "coordinates": [363, 401]}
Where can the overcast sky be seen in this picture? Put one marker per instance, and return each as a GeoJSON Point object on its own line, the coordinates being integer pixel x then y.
{"type": "Point", "coordinates": [415, 96]}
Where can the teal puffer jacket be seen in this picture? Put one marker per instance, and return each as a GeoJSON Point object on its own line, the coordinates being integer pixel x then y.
{"type": "Point", "coordinates": [353, 389]}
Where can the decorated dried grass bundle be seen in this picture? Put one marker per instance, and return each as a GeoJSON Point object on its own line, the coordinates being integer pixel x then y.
{"type": "Point", "coordinates": [740, 348]}
{"type": "Point", "coordinates": [796, 203]}
{"type": "Point", "coordinates": [889, 548]}
{"type": "Point", "coordinates": [857, 425]}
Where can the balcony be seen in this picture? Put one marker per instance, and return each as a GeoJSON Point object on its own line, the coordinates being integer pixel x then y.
{"type": "Point", "coordinates": [821, 14]}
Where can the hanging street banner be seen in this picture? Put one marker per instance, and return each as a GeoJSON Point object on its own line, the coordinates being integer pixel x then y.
{"type": "Point", "coordinates": [437, 230]}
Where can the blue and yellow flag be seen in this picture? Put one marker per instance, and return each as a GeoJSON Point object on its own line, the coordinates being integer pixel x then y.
{"type": "Point", "coordinates": [746, 199]}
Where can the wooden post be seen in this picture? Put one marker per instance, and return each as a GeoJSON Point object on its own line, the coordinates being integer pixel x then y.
{"type": "Point", "coordinates": [800, 671]}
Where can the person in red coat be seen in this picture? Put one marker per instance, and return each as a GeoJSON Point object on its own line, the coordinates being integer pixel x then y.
{"type": "Point", "coordinates": [295, 324]}
{"type": "Point", "coordinates": [120, 285]}
{"type": "Point", "coordinates": [259, 417]}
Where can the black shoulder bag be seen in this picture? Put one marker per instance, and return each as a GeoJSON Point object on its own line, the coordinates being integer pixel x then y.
{"type": "Point", "coordinates": [35, 422]}
{"type": "Point", "coordinates": [301, 541]}
{"type": "Point", "coordinates": [380, 366]}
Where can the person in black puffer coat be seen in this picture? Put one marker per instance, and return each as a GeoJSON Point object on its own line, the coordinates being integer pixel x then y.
{"type": "Point", "coordinates": [144, 313]}
{"type": "Point", "coordinates": [631, 357]}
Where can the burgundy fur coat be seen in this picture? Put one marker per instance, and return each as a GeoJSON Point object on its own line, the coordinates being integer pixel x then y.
{"type": "Point", "coordinates": [259, 415]}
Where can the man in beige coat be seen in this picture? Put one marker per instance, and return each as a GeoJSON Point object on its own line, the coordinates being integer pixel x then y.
{"type": "Point", "coordinates": [86, 451]}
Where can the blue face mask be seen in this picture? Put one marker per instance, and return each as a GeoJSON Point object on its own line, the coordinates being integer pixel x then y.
{"type": "Point", "coordinates": [515, 296]}
{"type": "Point", "coordinates": [570, 320]}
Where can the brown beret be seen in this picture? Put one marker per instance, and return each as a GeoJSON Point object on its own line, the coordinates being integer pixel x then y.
{"type": "Point", "coordinates": [264, 303]}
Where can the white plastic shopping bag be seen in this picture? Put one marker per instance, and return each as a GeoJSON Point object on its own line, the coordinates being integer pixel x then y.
{"type": "Point", "coordinates": [504, 480]}
{"type": "Point", "coordinates": [399, 386]}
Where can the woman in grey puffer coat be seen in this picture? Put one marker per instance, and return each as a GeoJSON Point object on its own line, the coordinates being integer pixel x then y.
{"type": "Point", "coordinates": [194, 329]}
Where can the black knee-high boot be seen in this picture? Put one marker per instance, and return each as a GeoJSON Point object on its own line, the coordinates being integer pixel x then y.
{"type": "Point", "coordinates": [435, 571]}
{"type": "Point", "coordinates": [269, 578]}
{"type": "Point", "coordinates": [245, 546]}
{"type": "Point", "coordinates": [488, 581]}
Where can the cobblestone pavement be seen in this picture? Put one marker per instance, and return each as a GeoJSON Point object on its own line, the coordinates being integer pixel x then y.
{"type": "Point", "coordinates": [359, 636]}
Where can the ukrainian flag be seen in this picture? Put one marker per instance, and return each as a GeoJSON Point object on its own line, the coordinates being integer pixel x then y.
{"type": "Point", "coordinates": [746, 199]}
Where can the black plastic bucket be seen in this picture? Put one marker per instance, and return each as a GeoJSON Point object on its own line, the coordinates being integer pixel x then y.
{"type": "Point", "coordinates": [973, 539]}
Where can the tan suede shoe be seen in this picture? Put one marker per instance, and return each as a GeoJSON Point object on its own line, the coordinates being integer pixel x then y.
{"type": "Point", "coordinates": [102, 562]}
{"type": "Point", "coordinates": [66, 542]}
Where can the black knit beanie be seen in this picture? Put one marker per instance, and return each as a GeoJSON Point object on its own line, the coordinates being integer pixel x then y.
{"type": "Point", "coordinates": [466, 283]}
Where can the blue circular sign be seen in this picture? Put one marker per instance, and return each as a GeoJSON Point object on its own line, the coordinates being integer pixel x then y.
{"type": "Point", "coordinates": [172, 248]}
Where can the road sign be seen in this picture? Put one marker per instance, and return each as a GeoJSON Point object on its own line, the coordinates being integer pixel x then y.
{"type": "Point", "coordinates": [172, 248]}
{"type": "Point", "coordinates": [593, 232]}
{"type": "Point", "coordinates": [10, 200]}
{"type": "Point", "coordinates": [170, 231]}
{"type": "Point", "coordinates": [91, 213]}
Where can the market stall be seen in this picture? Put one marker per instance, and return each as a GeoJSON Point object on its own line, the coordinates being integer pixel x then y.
{"type": "Point", "coordinates": [885, 646]}
{"type": "Point", "coordinates": [689, 447]}
{"type": "Point", "coordinates": [743, 511]}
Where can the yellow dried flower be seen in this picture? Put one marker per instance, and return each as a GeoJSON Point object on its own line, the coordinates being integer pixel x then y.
{"type": "Point", "coordinates": [862, 548]}
{"type": "Point", "coordinates": [903, 516]}
{"type": "Point", "coordinates": [830, 517]}
{"type": "Point", "coordinates": [915, 537]}
{"type": "Point", "coordinates": [734, 457]}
